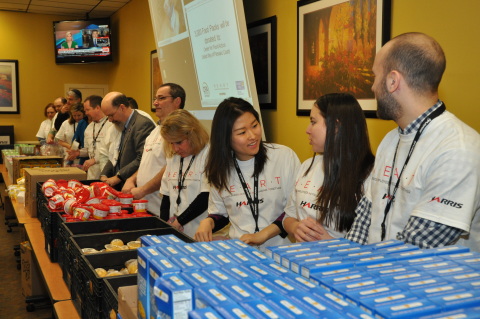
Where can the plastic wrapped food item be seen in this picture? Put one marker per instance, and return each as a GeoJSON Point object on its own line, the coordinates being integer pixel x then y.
{"type": "Point", "coordinates": [100, 211]}
{"type": "Point", "coordinates": [140, 206]}
{"type": "Point", "coordinates": [101, 272]}
{"type": "Point", "coordinates": [73, 183]}
{"type": "Point", "coordinates": [113, 272]}
{"type": "Point", "coordinates": [124, 271]}
{"type": "Point", "coordinates": [125, 199]}
{"type": "Point", "coordinates": [134, 244]}
{"type": "Point", "coordinates": [117, 242]}
{"type": "Point", "coordinates": [69, 205]}
{"type": "Point", "coordinates": [114, 206]}
{"type": "Point", "coordinates": [110, 247]}
{"type": "Point", "coordinates": [49, 187]}
{"type": "Point", "coordinates": [56, 202]}
{"type": "Point", "coordinates": [88, 251]}
{"type": "Point", "coordinates": [132, 266]}
{"type": "Point", "coordinates": [82, 212]}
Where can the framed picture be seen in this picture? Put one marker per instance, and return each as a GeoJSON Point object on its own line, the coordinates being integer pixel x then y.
{"type": "Point", "coordinates": [155, 75]}
{"type": "Point", "coordinates": [262, 36]}
{"type": "Point", "coordinates": [9, 96]}
{"type": "Point", "coordinates": [337, 44]}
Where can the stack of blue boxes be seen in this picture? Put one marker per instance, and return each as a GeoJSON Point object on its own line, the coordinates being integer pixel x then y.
{"type": "Point", "coordinates": [325, 279]}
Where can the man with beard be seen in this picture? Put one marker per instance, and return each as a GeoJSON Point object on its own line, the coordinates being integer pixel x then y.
{"type": "Point", "coordinates": [134, 129]}
{"type": "Point", "coordinates": [425, 186]}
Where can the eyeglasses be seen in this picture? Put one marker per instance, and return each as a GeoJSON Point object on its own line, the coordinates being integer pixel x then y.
{"type": "Point", "coordinates": [162, 98]}
{"type": "Point", "coordinates": [111, 115]}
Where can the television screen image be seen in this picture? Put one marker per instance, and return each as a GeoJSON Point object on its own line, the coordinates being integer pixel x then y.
{"type": "Point", "coordinates": [82, 41]}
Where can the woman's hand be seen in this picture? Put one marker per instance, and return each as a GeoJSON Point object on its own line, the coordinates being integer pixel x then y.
{"type": "Point", "coordinates": [256, 239]}
{"type": "Point", "coordinates": [309, 229]}
{"type": "Point", "coordinates": [204, 230]}
{"type": "Point", "coordinates": [175, 224]}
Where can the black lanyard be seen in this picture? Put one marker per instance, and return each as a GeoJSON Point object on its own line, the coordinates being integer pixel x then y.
{"type": "Point", "coordinates": [252, 203]}
{"type": "Point", "coordinates": [181, 178]}
{"type": "Point", "coordinates": [390, 198]}
{"type": "Point", "coordinates": [95, 137]}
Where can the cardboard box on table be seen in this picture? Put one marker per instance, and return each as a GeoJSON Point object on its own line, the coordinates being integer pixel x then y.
{"type": "Point", "coordinates": [35, 175]}
{"type": "Point", "coordinates": [127, 302]}
{"type": "Point", "coordinates": [32, 283]}
{"type": "Point", "coordinates": [19, 164]}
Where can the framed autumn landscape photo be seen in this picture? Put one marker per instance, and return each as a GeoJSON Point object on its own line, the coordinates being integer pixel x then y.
{"type": "Point", "coordinates": [337, 43]}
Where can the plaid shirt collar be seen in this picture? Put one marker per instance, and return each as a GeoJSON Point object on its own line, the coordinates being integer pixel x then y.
{"type": "Point", "coordinates": [415, 125]}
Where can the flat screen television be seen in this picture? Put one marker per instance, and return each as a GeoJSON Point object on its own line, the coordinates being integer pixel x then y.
{"type": "Point", "coordinates": [82, 41]}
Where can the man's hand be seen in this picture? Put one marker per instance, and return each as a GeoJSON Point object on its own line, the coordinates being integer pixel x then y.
{"type": "Point", "coordinates": [138, 192]}
{"type": "Point", "coordinates": [50, 139]}
{"type": "Point", "coordinates": [112, 181]}
{"type": "Point", "coordinates": [73, 154]}
{"type": "Point", "coordinates": [128, 186]}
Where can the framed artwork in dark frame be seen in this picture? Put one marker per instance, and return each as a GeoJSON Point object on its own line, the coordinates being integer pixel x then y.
{"type": "Point", "coordinates": [155, 75]}
{"type": "Point", "coordinates": [9, 90]}
{"type": "Point", "coordinates": [337, 44]}
{"type": "Point", "coordinates": [262, 37]}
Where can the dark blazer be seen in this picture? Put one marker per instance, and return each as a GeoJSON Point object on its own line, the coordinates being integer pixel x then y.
{"type": "Point", "coordinates": [131, 149]}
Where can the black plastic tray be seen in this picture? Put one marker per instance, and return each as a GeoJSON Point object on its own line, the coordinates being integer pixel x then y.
{"type": "Point", "coordinates": [67, 230]}
{"type": "Point", "coordinates": [110, 293]}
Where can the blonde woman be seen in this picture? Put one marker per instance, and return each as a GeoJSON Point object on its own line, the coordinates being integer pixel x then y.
{"type": "Point", "coordinates": [69, 43]}
{"type": "Point", "coordinates": [184, 187]}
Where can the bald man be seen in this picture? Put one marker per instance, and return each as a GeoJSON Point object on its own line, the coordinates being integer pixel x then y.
{"type": "Point", "coordinates": [425, 185]}
{"type": "Point", "coordinates": [134, 129]}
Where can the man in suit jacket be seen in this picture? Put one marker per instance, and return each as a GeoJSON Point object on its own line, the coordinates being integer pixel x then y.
{"type": "Point", "coordinates": [135, 128]}
{"type": "Point", "coordinates": [92, 41]}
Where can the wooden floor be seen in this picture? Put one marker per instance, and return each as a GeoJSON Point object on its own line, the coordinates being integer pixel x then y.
{"type": "Point", "coordinates": [12, 302]}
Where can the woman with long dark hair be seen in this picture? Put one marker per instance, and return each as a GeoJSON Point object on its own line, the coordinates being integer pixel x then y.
{"type": "Point", "coordinates": [330, 184]}
{"type": "Point", "coordinates": [250, 180]}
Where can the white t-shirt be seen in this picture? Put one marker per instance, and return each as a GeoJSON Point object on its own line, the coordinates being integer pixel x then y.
{"type": "Point", "coordinates": [113, 140]}
{"type": "Point", "coordinates": [44, 129]}
{"type": "Point", "coordinates": [441, 182]}
{"type": "Point", "coordinates": [275, 184]}
{"type": "Point", "coordinates": [65, 132]}
{"type": "Point", "coordinates": [153, 160]}
{"type": "Point", "coordinates": [302, 202]}
{"type": "Point", "coordinates": [99, 151]}
{"type": "Point", "coordinates": [194, 184]}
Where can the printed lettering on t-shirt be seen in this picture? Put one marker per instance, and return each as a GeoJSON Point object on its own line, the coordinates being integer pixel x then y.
{"type": "Point", "coordinates": [175, 174]}
{"type": "Point", "coordinates": [446, 202]}
{"type": "Point", "coordinates": [263, 183]}
{"type": "Point", "coordinates": [388, 170]}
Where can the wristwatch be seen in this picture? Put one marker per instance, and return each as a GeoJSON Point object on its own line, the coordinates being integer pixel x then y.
{"type": "Point", "coordinates": [120, 177]}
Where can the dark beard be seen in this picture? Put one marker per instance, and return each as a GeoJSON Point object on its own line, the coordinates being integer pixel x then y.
{"type": "Point", "coordinates": [387, 107]}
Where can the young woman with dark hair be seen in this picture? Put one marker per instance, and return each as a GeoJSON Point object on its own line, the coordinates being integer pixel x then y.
{"type": "Point", "coordinates": [250, 181]}
{"type": "Point", "coordinates": [330, 184]}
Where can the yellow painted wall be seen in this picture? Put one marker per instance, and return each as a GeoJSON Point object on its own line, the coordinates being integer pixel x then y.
{"type": "Point", "coordinates": [453, 23]}
{"type": "Point", "coordinates": [28, 38]}
{"type": "Point", "coordinates": [135, 41]}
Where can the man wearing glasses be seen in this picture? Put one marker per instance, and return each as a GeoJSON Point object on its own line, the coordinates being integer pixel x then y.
{"type": "Point", "coordinates": [133, 129]}
{"type": "Point", "coordinates": [169, 97]}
